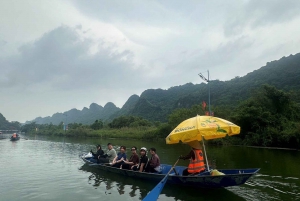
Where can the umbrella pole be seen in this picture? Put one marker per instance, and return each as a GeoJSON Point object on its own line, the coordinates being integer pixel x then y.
{"type": "Point", "coordinates": [205, 154]}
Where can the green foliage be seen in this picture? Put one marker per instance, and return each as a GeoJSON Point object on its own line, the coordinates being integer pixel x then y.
{"type": "Point", "coordinates": [182, 114]}
{"type": "Point", "coordinates": [6, 125]}
{"type": "Point", "coordinates": [269, 118]}
{"type": "Point", "coordinates": [29, 127]}
{"type": "Point", "coordinates": [163, 130]}
{"type": "Point", "coordinates": [98, 124]}
{"type": "Point", "coordinates": [268, 115]}
{"type": "Point", "coordinates": [129, 121]}
{"type": "Point", "coordinates": [158, 104]}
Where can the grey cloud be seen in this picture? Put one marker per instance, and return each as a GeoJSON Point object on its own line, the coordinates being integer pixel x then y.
{"type": "Point", "coordinates": [166, 14]}
{"type": "Point", "coordinates": [60, 58]}
{"type": "Point", "coordinates": [223, 62]}
{"type": "Point", "coordinates": [131, 11]}
{"type": "Point", "coordinates": [258, 13]}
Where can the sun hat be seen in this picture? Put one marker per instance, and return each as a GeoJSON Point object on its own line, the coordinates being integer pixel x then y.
{"type": "Point", "coordinates": [144, 148]}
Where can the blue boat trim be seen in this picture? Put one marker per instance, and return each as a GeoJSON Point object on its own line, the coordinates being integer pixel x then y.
{"type": "Point", "coordinates": [231, 177]}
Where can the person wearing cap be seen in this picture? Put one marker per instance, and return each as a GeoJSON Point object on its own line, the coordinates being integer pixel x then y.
{"type": "Point", "coordinates": [133, 160]}
{"type": "Point", "coordinates": [195, 156]}
{"type": "Point", "coordinates": [109, 156]}
{"type": "Point", "coordinates": [154, 162]}
{"type": "Point", "coordinates": [119, 159]}
{"type": "Point", "coordinates": [143, 161]}
{"type": "Point", "coordinates": [97, 155]}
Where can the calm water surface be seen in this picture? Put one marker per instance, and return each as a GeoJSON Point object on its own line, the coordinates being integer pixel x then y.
{"type": "Point", "coordinates": [43, 168]}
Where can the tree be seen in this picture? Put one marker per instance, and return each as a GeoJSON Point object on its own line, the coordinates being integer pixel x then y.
{"type": "Point", "coordinates": [98, 124]}
{"type": "Point", "coordinates": [269, 118]}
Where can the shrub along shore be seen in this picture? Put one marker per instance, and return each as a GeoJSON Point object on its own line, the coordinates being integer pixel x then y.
{"type": "Point", "coordinates": [147, 133]}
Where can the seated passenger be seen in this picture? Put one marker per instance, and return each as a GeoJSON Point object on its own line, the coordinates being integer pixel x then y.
{"type": "Point", "coordinates": [109, 156]}
{"type": "Point", "coordinates": [143, 161]}
{"type": "Point", "coordinates": [196, 162]}
{"type": "Point", "coordinates": [97, 155]}
{"type": "Point", "coordinates": [119, 159]}
{"type": "Point", "coordinates": [154, 162]}
{"type": "Point", "coordinates": [133, 160]}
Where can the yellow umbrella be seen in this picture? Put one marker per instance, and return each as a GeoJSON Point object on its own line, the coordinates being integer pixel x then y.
{"type": "Point", "coordinates": [199, 127]}
{"type": "Point", "coordinates": [196, 128]}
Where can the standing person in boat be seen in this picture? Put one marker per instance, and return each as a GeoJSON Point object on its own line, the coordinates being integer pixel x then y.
{"type": "Point", "coordinates": [109, 156]}
{"type": "Point", "coordinates": [154, 162]}
{"type": "Point", "coordinates": [97, 155]}
{"type": "Point", "coordinates": [133, 160]}
{"type": "Point", "coordinates": [119, 159]}
{"type": "Point", "coordinates": [196, 161]}
{"type": "Point", "coordinates": [143, 161]}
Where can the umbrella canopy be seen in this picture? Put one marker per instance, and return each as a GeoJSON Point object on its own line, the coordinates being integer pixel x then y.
{"type": "Point", "coordinates": [197, 127]}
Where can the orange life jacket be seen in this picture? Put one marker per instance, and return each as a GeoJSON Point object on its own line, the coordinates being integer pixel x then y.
{"type": "Point", "coordinates": [196, 165]}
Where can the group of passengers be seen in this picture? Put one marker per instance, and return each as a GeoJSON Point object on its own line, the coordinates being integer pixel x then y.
{"type": "Point", "coordinates": [119, 160]}
{"type": "Point", "coordinates": [142, 163]}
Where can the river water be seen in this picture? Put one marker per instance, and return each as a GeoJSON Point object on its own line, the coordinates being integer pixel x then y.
{"type": "Point", "coordinates": [45, 168]}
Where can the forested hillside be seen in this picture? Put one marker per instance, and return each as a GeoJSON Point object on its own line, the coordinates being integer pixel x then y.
{"type": "Point", "coordinates": [84, 116]}
{"type": "Point", "coordinates": [284, 74]}
{"type": "Point", "coordinates": [6, 125]}
{"type": "Point", "coordinates": [158, 104]}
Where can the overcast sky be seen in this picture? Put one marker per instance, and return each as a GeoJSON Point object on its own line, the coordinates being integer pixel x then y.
{"type": "Point", "coordinates": [58, 55]}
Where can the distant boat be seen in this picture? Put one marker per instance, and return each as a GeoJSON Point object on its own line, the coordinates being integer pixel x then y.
{"type": "Point", "coordinates": [230, 177]}
{"type": "Point", "coordinates": [14, 137]}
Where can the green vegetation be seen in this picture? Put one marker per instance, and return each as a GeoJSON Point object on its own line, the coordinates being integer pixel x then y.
{"type": "Point", "coordinates": [158, 104]}
{"type": "Point", "coordinates": [265, 103]}
{"type": "Point", "coordinates": [268, 118]}
{"type": "Point", "coordinates": [98, 124]}
{"type": "Point", "coordinates": [6, 125]}
{"type": "Point", "coordinates": [130, 121]}
{"type": "Point", "coordinates": [79, 130]}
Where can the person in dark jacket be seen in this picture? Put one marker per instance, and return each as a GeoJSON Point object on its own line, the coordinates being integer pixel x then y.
{"type": "Point", "coordinates": [154, 162]}
{"type": "Point", "coordinates": [97, 155]}
{"type": "Point", "coordinates": [133, 160]}
{"type": "Point", "coordinates": [143, 161]}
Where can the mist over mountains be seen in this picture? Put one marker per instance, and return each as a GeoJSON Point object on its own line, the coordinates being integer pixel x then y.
{"type": "Point", "coordinates": [157, 104]}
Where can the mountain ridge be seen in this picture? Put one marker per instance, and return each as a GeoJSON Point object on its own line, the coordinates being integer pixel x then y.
{"type": "Point", "coordinates": [157, 104]}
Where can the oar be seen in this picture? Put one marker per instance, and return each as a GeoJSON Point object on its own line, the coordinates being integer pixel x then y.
{"type": "Point", "coordinates": [153, 195]}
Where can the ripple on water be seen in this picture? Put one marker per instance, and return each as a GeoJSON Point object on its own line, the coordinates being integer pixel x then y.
{"type": "Point", "coordinates": [266, 187]}
{"type": "Point", "coordinates": [38, 170]}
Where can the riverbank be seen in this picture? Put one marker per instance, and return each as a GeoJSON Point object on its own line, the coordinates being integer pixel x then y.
{"type": "Point", "coordinates": [147, 134]}
{"type": "Point", "coordinates": [143, 133]}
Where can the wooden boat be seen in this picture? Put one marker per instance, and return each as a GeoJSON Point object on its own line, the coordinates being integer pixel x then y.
{"type": "Point", "coordinates": [231, 177]}
{"type": "Point", "coordinates": [14, 137]}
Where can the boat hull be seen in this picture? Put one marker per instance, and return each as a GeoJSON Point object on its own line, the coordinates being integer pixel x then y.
{"type": "Point", "coordinates": [232, 177]}
{"type": "Point", "coordinates": [14, 138]}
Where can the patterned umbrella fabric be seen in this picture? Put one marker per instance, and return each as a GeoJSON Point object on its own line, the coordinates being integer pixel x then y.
{"type": "Point", "coordinates": [197, 127]}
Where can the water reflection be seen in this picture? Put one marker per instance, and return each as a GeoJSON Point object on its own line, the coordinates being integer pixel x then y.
{"type": "Point", "coordinates": [278, 179]}
{"type": "Point", "coordinates": [137, 188]}
{"type": "Point", "coordinates": [110, 181]}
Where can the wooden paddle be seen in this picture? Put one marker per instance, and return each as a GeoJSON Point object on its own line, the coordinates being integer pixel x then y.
{"type": "Point", "coordinates": [154, 193]}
